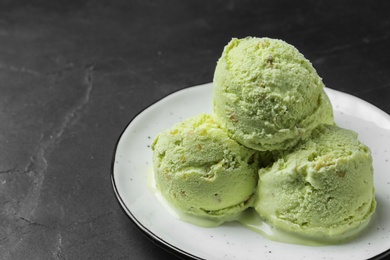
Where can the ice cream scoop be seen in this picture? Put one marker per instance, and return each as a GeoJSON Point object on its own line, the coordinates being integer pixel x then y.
{"type": "Point", "coordinates": [267, 95]}
{"type": "Point", "coordinates": [321, 188]}
{"type": "Point", "coordinates": [201, 171]}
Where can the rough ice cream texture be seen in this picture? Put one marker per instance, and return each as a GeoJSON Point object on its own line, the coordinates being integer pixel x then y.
{"type": "Point", "coordinates": [267, 94]}
{"type": "Point", "coordinates": [201, 171]}
{"type": "Point", "coordinates": [321, 188]}
{"type": "Point", "coordinates": [267, 100]}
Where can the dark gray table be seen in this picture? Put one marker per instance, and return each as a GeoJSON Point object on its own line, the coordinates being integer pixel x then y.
{"type": "Point", "coordinates": [74, 73]}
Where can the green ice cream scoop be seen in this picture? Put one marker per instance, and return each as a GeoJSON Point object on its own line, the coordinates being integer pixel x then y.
{"type": "Point", "coordinates": [321, 188]}
{"type": "Point", "coordinates": [267, 94]}
{"type": "Point", "coordinates": [201, 171]}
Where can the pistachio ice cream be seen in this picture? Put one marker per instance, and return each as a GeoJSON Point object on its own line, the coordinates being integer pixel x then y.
{"type": "Point", "coordinates": [323, 187]}
{"type": "Point", "coordinates": [201, 171]}
{"type": "Point", "coordinates": [267, 95]}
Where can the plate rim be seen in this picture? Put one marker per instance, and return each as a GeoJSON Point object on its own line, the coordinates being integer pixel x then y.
{"type": "Point", "coordinates": [157, 239]}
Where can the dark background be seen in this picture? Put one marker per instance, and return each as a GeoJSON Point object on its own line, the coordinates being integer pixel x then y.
{"type": "Point", "coordinates": [74, 73]}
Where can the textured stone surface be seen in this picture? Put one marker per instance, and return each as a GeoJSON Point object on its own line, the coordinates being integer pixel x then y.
{"type": "Point", "coordinates": [73, 74]}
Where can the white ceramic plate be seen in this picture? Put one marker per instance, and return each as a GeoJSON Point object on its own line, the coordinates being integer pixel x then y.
{"type": "Point", "coordinates": [133, 160]}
